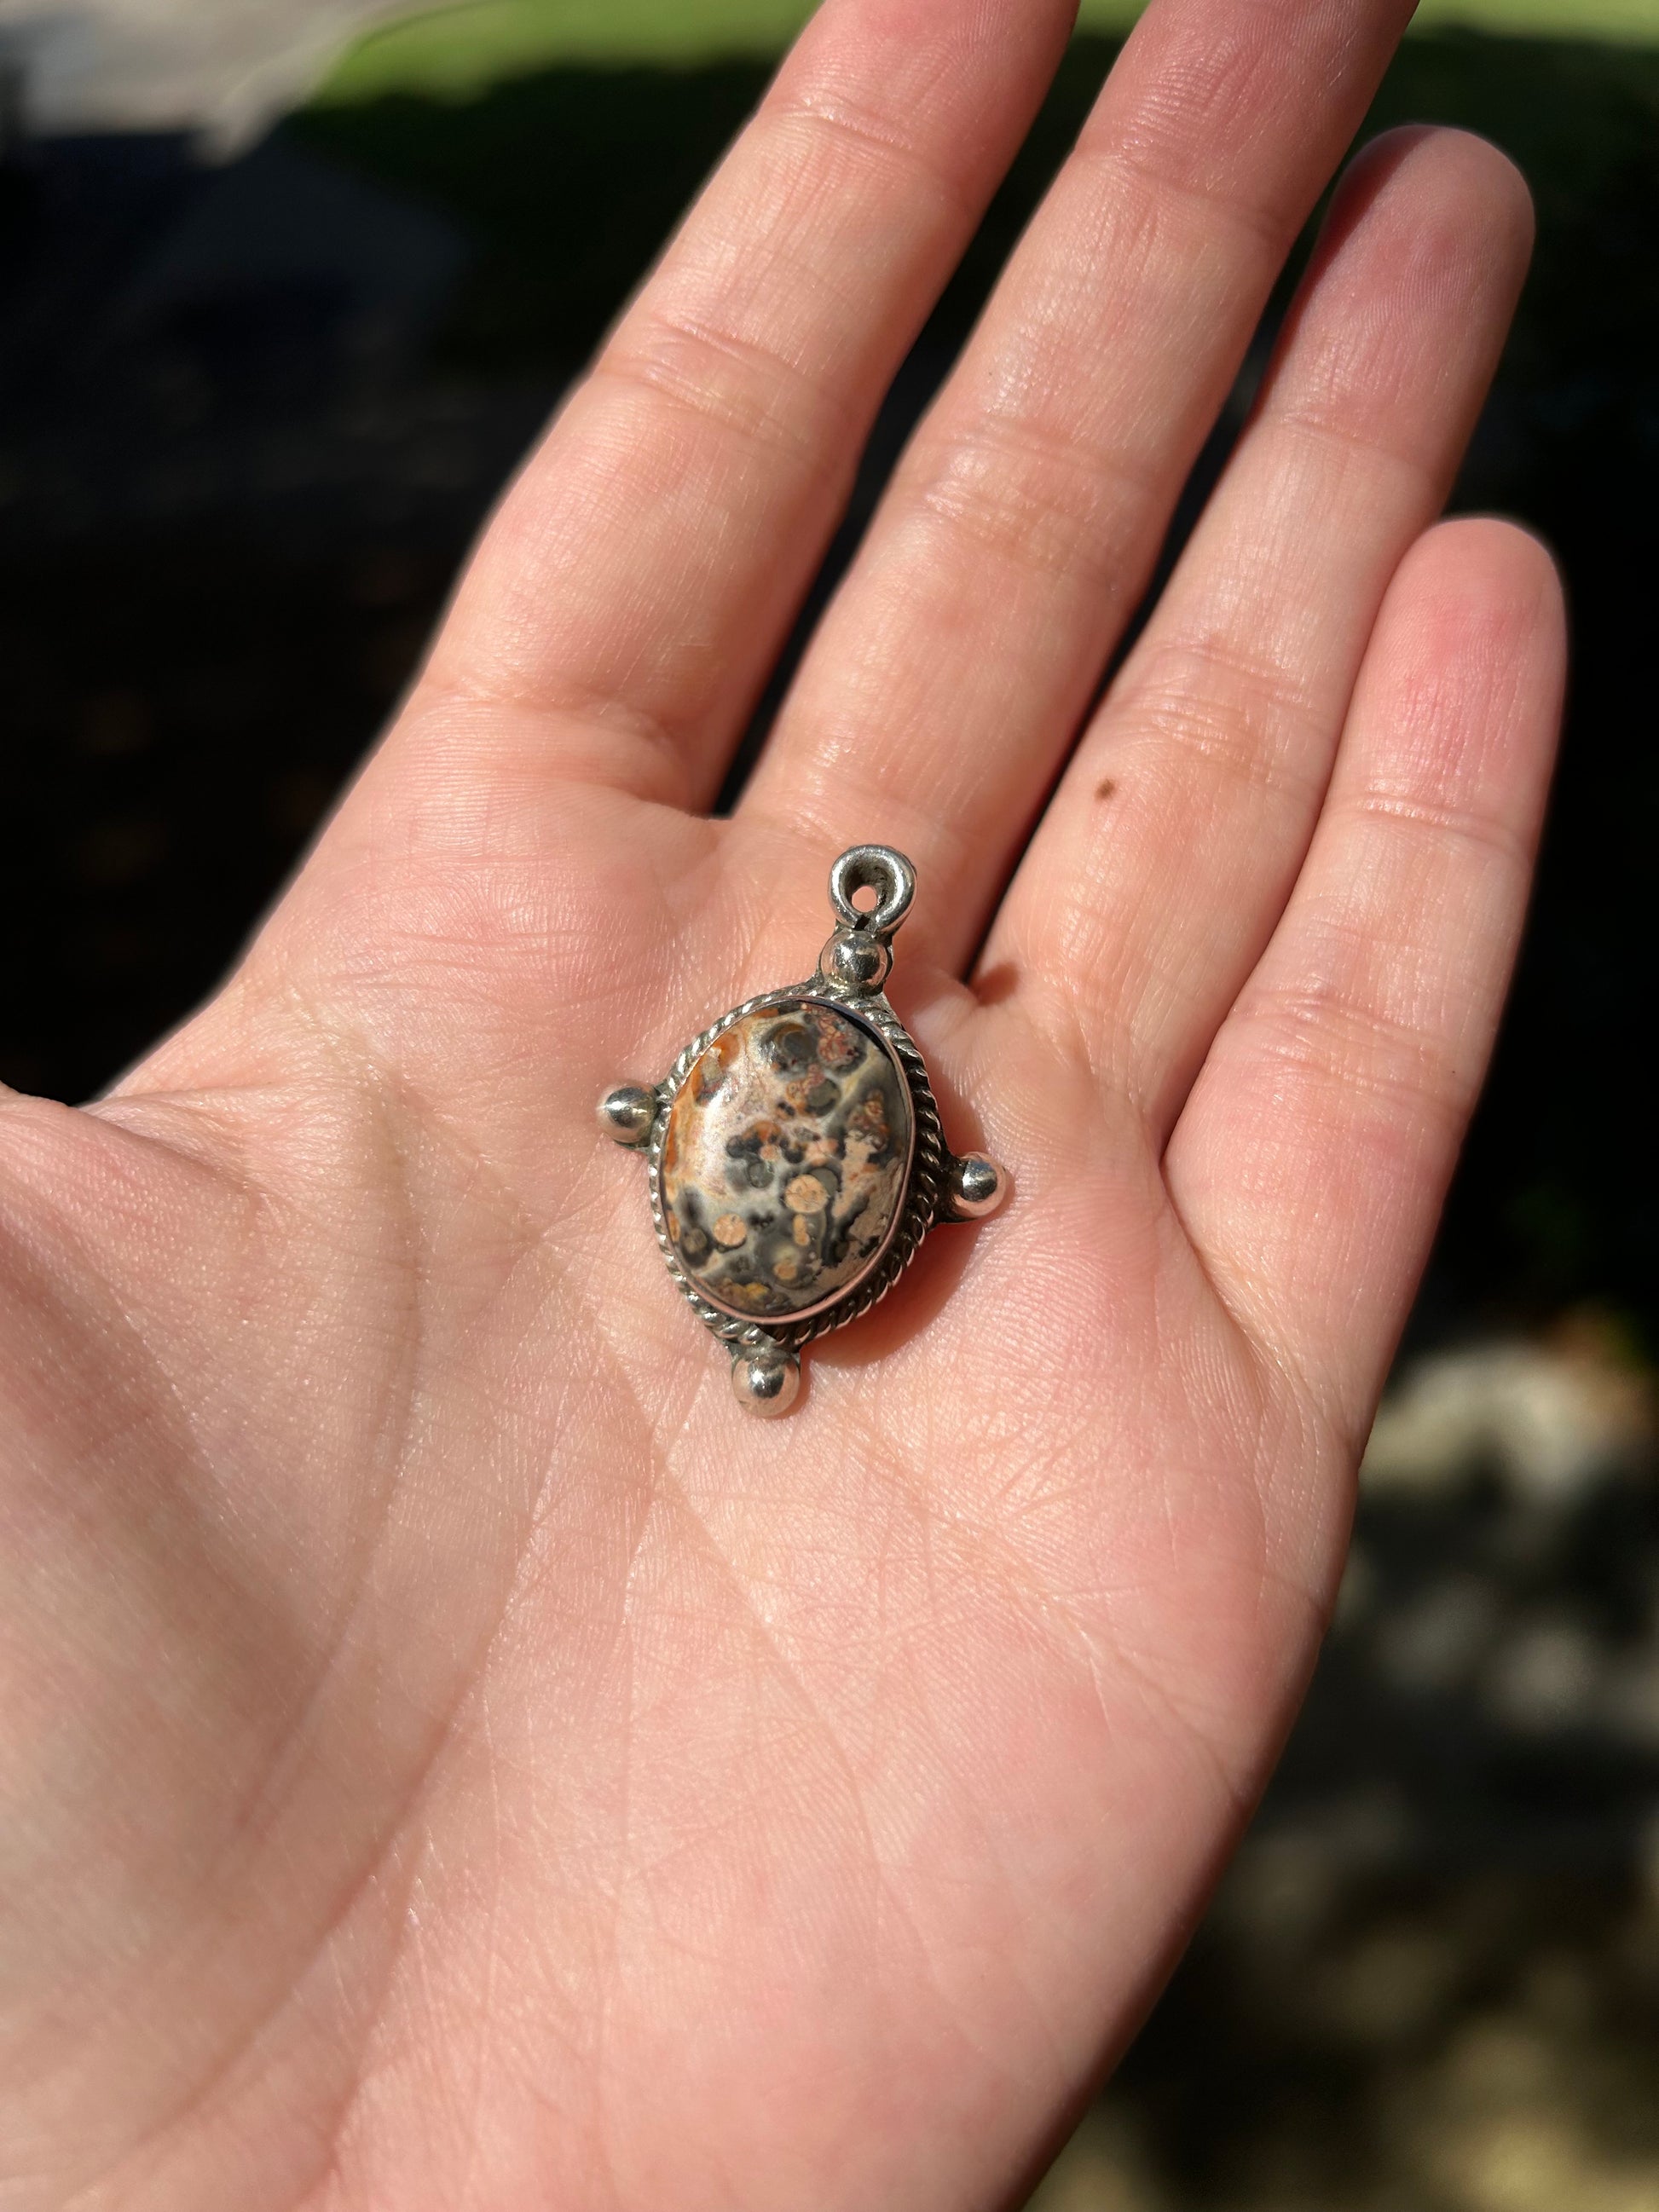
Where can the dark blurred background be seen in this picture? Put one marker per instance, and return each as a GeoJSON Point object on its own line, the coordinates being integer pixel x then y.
{"type": "Point", "coordinates": [259, 386]}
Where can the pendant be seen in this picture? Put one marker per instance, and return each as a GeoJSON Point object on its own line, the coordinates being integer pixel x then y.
{"type": "Point", "coordinates": [795, 1154]}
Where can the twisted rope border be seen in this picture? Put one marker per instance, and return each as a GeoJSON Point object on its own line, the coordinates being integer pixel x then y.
{"type": "Point", "coordinates": [921, 1195]}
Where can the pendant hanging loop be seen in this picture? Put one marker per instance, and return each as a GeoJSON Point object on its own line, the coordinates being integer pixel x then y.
{"type": "Point", "coordinates": [795, 1152]}
{"type": "Point", "coordinates": [875, 868]}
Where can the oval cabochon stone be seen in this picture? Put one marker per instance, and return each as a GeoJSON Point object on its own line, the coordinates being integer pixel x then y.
{"type": "Point", "coordinates": [784, 1160]}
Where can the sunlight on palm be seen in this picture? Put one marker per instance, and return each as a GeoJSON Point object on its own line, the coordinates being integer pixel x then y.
{"type": "Point", "coordinates": [453, 1758]}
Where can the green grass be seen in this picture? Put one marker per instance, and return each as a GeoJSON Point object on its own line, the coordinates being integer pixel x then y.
{"type": "Point", "coordinates": [456, 53]}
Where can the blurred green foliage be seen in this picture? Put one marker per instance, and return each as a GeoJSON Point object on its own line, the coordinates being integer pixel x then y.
{"type": "Point", "coordinates": [458, 52]}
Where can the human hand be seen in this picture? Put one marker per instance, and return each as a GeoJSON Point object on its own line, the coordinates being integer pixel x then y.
{"type": "Point", "coordinates": [451, 1756]}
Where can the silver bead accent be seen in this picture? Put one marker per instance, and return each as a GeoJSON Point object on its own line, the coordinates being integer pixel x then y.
{"type": "Point", "coordinates": [765, 1379]}
{"type": "Point", "coordinates": [933, 1187]}
{"type": "Point", "coordinates": [974, 1186]}
{"type": "Point", "coordinates": [856, 961]}
{"type": "Point", "coordinates": [628, 1112]}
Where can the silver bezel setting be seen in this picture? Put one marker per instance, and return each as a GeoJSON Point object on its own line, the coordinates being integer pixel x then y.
{"type": "Point", "coordinates": [921, 1199]}
{"type": "Point", "coordinates": [938, 1187]}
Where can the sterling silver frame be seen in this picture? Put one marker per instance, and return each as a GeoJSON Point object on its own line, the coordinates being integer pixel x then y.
{"type": "Point", "coordinates": [939, 1186]}
{"type": "Point", "coordinates": [929, 1161]}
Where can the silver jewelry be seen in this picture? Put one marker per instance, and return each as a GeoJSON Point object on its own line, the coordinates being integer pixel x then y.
{"type": "Point", "coordinates": [795, 1151]}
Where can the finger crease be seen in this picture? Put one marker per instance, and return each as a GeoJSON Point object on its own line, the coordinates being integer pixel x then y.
{"type": "Point", "coordinates": [1336, 1038]}
{"type": "Point", "coordinates": [1321, 427]}
{"type": "Point", "coordinates": [1261, 225]}
{"type": "Point", "coordinates": [1242, 739]}
{"type": "Point", "coordinates": [749, 404]}
{"type": "Point", "coordinates": [865, 130]}
{"type": "Point", "coordinates": [1050, 512]}
{"type": "Point", "coordinates": [652, 740]}
{"type": "Point", "coordinates": [1455, 825]}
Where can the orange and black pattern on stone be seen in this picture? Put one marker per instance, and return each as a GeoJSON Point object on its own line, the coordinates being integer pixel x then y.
{"type": "Point", "coordinates": [784, 1160]}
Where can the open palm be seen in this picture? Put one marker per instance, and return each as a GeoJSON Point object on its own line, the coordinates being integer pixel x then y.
{"type": "Point", "coordinates": [452, 1758]}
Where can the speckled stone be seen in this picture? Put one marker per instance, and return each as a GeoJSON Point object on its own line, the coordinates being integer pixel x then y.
{"type": "Point", "coordinates": [784, 1159]}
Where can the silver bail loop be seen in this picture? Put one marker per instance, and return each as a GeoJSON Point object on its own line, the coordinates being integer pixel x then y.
{"type": "Point", "coordinates": [795, 1154]}
{"type": "Point", "coordinates": [876, 868]}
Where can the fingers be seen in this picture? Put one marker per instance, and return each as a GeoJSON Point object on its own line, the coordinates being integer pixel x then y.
{"type": "Point", "coordinates": [1170, 850]}
{"type": "Point", "coordinates": [949, 677]}
{"type": "Point", "coordinates": [1312, 1160]}
{"type": "Point", "coordinates": [634, 591]}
